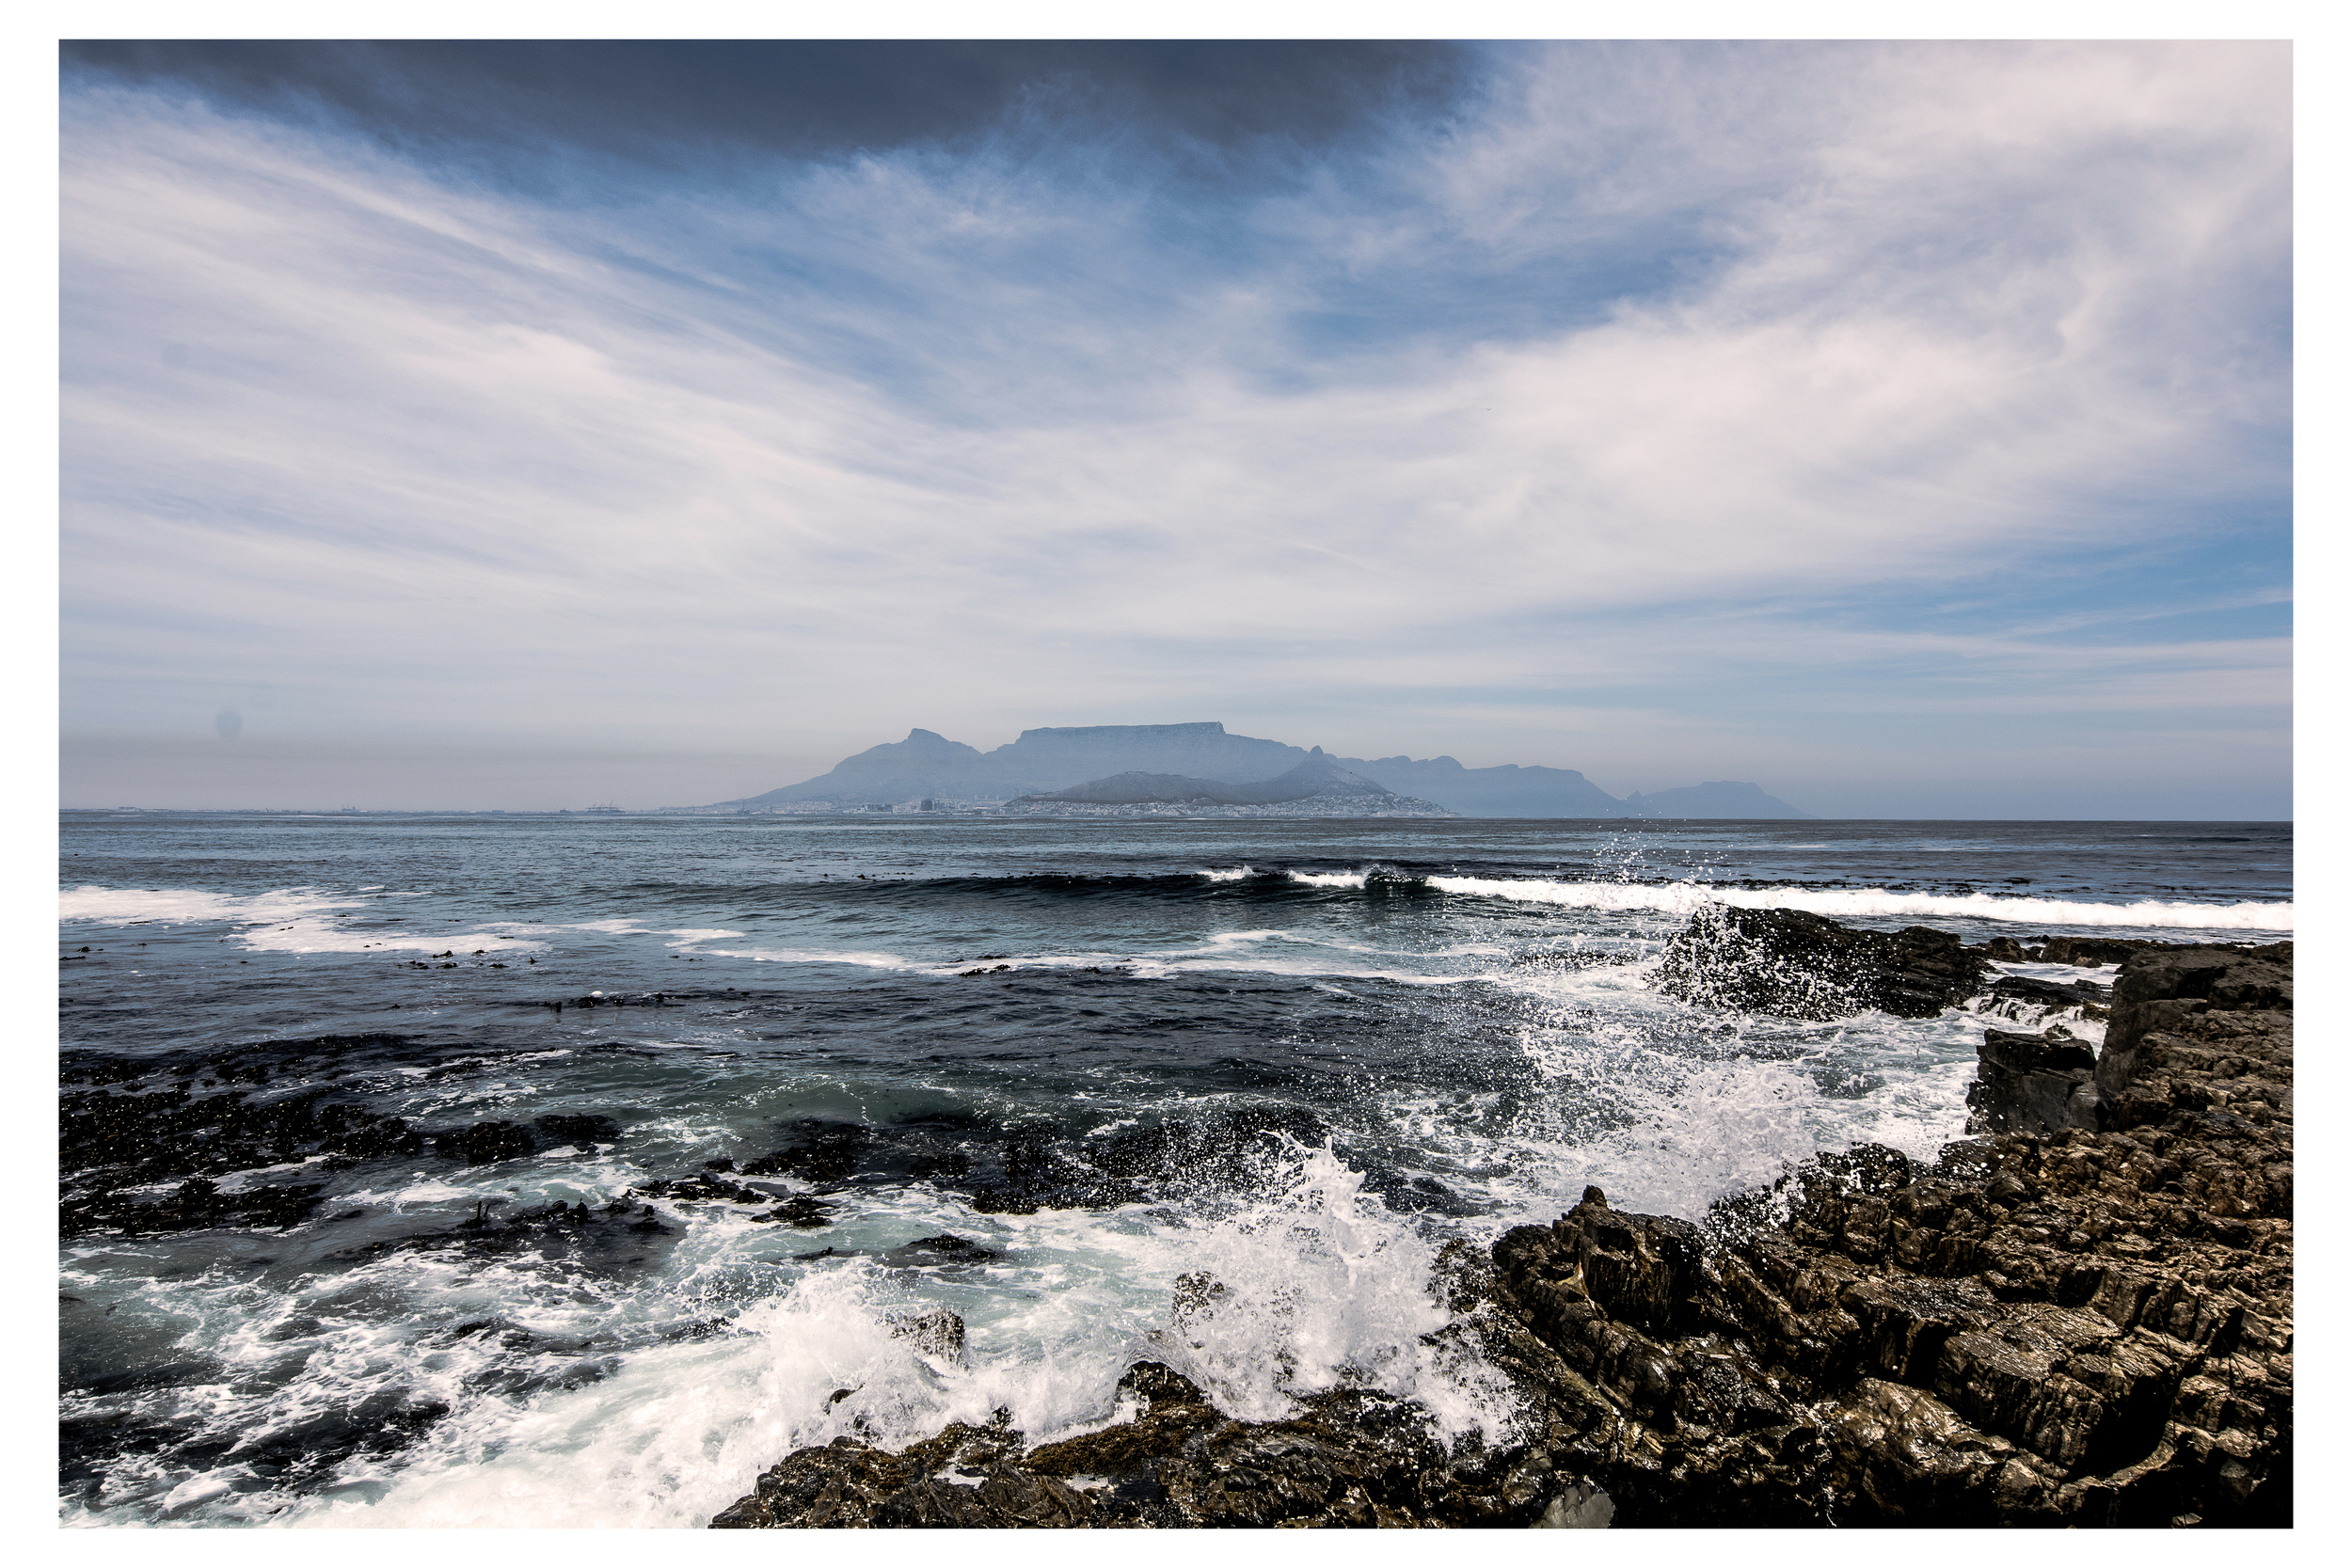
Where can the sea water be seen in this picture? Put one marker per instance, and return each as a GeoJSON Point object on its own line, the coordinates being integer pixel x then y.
{"type": "Point", "coordinates": [1453, 1019]}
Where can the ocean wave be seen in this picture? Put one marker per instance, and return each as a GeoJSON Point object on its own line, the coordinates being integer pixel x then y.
{"type": "Point", "coordinates": [1688, 897]}
{"type": "Point", "coordinates": [1866, 903]}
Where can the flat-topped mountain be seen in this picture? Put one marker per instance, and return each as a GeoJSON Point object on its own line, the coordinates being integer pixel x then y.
{"type": "Point", "coordinates": [1162, 761]}
{"type": "Point", "coordinates": [1719, 800]}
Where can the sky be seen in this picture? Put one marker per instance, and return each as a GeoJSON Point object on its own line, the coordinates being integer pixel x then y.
{"type": "Point", "coordinates": [1905, 428]}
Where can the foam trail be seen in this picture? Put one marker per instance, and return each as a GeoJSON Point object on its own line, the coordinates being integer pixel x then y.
{"type": "Point", "coordinates": [1688, 897]}
{"type": "Point", "coordinates": [131, 906]}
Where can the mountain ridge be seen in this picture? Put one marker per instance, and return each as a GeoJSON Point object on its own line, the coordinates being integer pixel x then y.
{"type": "Point", "coordinates": [1202, 754]}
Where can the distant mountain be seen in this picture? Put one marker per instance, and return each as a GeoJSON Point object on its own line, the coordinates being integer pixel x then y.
{"type": "Point", "coordinates": [1202, 757]}
{"type": "Point", "coordinates": [1723, 799]}
{"type": "Point", "coordinates": [1509, 790]}
{"type": "Point", "coordinates": [926, 763]}
{"type": "Point", "coordinates": [1318, 776]}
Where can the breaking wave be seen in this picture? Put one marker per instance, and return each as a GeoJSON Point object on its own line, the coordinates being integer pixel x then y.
{"type": "Point", "coordinates": [1688, 897]}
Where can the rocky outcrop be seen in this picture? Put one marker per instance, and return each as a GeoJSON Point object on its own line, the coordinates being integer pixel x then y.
{"type": "Point", "coordinates": [2033, 1083]}
{"type": "Point", "coordinates": [1347, 1458]}
{"type": "Point", "coordinates": [2181, 1021]}
{"type": "Point", "coordinates": [2088, 1328]}
{"type": "Point", "coordinates": [1800, 965]}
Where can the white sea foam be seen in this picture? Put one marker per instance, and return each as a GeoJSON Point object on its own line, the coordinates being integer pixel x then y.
{"type": "Point", "coordinates": [131, 906]}
{"type": "Point", "coordinates": [823, 955]}
{"type": "Point", "coordinates": [1688, 897]}
{"type": "Point", "coordinates": [287, 920]}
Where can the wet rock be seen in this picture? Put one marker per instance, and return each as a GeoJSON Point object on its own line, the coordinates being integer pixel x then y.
{"type": "Point", "coordinates": [1800, 965]}
{"type": "Point", "coordinates": [936, 1332]}
{"type": "Point", "coordinates": [934, 1250]}
{"type": "Point", "coordinates": [112, 1144]}
{"type": "Point", "coordinates": [617, 1236]}
{"type": "Point", "coordinates": [1210, 1156]}
{"type": "Point", "coordinates": [2033, 1084]}
{"type": "Point", "coordinates": [2049, 993]}
{"type": "Point", "coordinates": [484, 1143]}
{"type": "Point", "coordinates": [708, 1187]}
{"type": "Point", "coordinates": [1580, 1506]}
{"type": "Point", "coordinates": [2090, 952]}
{"type": "Point", "coordinates": [822, 1153]}
{"type": "Point", "coordinates": [583, 1130]}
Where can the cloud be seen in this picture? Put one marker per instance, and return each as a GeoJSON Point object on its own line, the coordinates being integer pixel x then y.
{"type": "Point", "coordinates": [1633, 360]}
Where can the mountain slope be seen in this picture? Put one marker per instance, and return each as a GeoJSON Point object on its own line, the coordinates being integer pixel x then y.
{"type": "Point", "coordinates": [1719, 800]}
{"type": "Point", "coordinates": [1509, 790]}
{"type": "Point", "coordinates": [1318, 776]}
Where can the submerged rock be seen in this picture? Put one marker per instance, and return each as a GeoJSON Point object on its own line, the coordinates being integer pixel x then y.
{"type": "Point", "coordinates": [1800, 965]}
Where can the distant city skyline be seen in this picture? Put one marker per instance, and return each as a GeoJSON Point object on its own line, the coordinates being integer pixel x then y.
{"type": "Point", "coordinates": [1903, 428]}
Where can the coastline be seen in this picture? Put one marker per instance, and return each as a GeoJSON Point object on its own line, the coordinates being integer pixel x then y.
{"type": "Point", "coordinates": [2082, 1316]}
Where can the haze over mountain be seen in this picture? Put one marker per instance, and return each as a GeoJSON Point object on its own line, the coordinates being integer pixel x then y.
{"type": "Point", "coordinates": [1112, 763]}
{"type": "Point", "coordinates": [1719, 799]}
{"type": "Point", "coordinates": [1317, 778]}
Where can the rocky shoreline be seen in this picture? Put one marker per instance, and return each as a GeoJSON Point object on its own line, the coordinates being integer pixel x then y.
{"type": "Point", "coordinates": [2083, 1314]}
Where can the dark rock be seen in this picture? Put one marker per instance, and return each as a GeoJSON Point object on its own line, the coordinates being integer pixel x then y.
{"type": "Point", "coordinates": [1800, 965]}
{"type": "Point", "coordinates": [936, 1332]}
{"type": "Point", "coordinates": [617, 1237]}
{"type": "Point", "coordinates": [578, 1129]}
{"type": "Point", "coordinates": [484, 1143]}
{"type": "Point", "coordinates": [802, 1212]}
{"type": "Point", "coordinates": [710, 1187]}
{"type": "Point", "coordinates": [108, 1142]}
{"type": "Point", "coordinates": [825, 1152]}
{"type": "Point", "coordinates": [2089, 952]}
{"type": "Point", "coordinates": [2033, 1084]}
{"type": "Point", "coordinates": [932, 1250]}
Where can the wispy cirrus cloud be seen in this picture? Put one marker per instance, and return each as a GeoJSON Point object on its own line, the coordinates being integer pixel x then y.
{"type": "Point", "coordinates": [1616, 365]}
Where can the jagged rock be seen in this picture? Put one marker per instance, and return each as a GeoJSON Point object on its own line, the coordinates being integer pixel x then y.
{"type": "Point", "coordinates": [2196, 1028]}
{"type": "Point", "coordinates": [1580, 1506]}
{"type": "Point", "coordinates": [2091, 952]}
{"type": "Point", "coordinates": [2033, 1084]}
{"type": "Point", "coordinates": [1800, 965]}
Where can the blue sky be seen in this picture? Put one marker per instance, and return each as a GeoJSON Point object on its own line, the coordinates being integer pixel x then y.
{"type": "Point", "coordinates": [1902, 427]}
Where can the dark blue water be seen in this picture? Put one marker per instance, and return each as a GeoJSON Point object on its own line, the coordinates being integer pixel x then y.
{"type": "Point", "coordinates": [1099, 1054]}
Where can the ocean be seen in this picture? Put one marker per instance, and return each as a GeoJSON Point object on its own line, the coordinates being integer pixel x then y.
{"type": "Point", "coordinates": [510, 1170]}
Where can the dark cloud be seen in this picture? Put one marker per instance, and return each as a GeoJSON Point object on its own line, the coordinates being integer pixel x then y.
{"type": "Point", "coordinates": [813, 98]}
